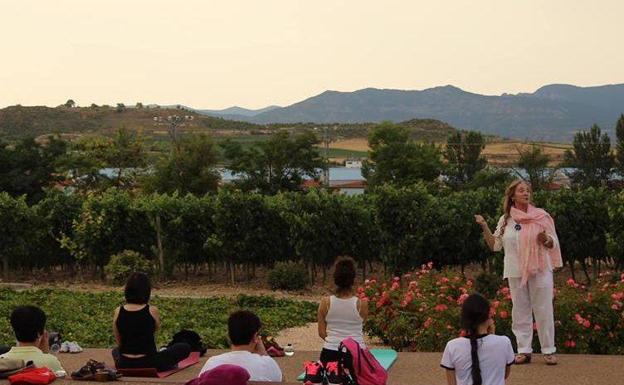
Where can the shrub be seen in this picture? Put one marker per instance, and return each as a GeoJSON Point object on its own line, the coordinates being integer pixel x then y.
{"type": "Point", "coordinates": [420, 312]}
{"type": "Point", "coordinates": [487, 284]}
{"type": "Point", "coordinates": [125, 263]}
{"type": "Point", "coordinates": [288, 276]}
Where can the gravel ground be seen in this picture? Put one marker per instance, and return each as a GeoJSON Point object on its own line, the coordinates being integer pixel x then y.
{"type": "Point", "coordinates": [306, 338]}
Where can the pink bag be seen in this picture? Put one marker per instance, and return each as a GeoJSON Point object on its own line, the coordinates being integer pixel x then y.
{"type": "Point", "coordinates": [360, 364]}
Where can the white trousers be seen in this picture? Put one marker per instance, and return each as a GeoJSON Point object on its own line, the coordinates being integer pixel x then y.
{"type": "Point", "coordinates": [533, 299]}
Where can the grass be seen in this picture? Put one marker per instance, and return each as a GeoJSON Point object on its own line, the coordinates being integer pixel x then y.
{"type": "Point", "coordinates": [87, 317]}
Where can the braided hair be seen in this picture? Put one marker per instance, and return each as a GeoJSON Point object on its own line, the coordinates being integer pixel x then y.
{"type": "Point", "coordinates": [475, 311]}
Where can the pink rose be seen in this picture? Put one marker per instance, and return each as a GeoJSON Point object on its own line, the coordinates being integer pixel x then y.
{"type": "Point", "coordinates": [461, 299]}
{"type": "Point", "coordinates": [503, 314]}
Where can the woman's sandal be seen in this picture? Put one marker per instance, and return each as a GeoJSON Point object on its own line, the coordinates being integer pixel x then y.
{"type": "Point", "coordinates": [523, 358]}
{"type": "Point", "coordinates": [550, 359]}
{"type": "Point", "coordinates": [95, 371]}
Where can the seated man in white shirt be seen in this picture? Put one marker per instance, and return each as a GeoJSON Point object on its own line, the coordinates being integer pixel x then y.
{"type": "Point", "coordinates": [248, 350]}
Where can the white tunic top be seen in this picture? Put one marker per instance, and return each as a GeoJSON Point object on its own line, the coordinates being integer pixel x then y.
{"type": "Point", "coordinates": [509, 242]}
{"type": "Point", "coordinates": [343, 321]}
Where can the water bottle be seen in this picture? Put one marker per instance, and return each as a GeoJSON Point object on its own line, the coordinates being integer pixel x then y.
{"type": "Point", "coordinates": [289, 350]}
{"type": "Point", "coordinates": [54, 342]}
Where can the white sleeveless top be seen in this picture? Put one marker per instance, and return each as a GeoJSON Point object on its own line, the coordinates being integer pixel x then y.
{"type": "Point", "coordinates": [343, 320]}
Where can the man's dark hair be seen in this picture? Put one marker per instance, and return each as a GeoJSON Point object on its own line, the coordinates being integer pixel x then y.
{"type": "Point", "coordinates": [28, 323]}
{"type": "Point", "coordinates": [242, 325]}
{"type": "Point", "coordinates": [138, 289]}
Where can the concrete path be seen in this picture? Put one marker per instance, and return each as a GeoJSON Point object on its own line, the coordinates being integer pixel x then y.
{"type": "Point", "coordinates": [411, 369]}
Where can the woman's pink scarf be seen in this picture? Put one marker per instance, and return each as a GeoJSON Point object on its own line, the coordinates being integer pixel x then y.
{"type": "Point", "coordinates": [532, 253]}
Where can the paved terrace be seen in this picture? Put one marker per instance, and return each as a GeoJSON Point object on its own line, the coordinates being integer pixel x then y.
{"type": "Point", "coordinates": [409, 369]}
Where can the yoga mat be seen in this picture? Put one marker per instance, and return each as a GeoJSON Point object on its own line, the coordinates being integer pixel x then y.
{"type": "Point", "coordinates": [386, 358]}
{"type": "Point", "coordinates": [192, 359]}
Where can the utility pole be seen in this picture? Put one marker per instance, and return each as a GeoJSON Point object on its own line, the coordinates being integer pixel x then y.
{"type": "Point", "coordinates": [174, 121]}
{"type": "Point", "coordinates": [327, 139]}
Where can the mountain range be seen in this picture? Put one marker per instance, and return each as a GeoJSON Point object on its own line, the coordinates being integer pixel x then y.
{"type": "Point", "coordinates": [552, 113]}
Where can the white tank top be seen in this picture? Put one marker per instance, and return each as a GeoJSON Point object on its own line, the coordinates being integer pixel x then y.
{"type": "Point", "coordinates": [343, 320]}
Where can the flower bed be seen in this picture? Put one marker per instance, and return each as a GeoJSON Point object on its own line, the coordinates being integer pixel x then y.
{"type": "Point", "coordinates": [420, 311]}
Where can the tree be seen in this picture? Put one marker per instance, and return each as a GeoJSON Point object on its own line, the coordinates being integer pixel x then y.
{"type": "Point", "coordinates": [17, 231]}
{"type": "Point", "coordinates": [619, 147]}
{"type": "Point", "coordinates": [85, 160]}
{"type": "Point", "coordinates": [29, 167]}
{"type": "Point", "coordinates": [275, 165]}
{"type": "Point", "coordinates": [396, 159]}
{"type": "Point", "coordinates": [120, 107]}
{"type": "Point", "coordinates": [188, 169]}
{"type": "Point", "coordinates": [108, 223]}
{"type": "Point", "coordinates": [535, 162]}
{"type": "Point", "coordinates": [592, 157]}
{"type": "Point", "coordinates": [139, 105]}
{"type": "Point", "coordinates": [70, 103]}
{"type": "Point", "coordinates": [126, 155]}
{"type": "Point", "coordinates": [463, 154]}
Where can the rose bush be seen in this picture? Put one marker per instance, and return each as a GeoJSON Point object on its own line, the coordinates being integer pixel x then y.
{"type": "Point", "coordinates": [420, 311]}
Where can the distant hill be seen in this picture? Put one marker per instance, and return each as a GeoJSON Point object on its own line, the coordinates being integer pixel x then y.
{"type": "Point", "coordinates": [554, 112]}
{"type": "Point", "coordinates": [21, 121]}
{"type": "Point", "coordinates": [236, 113]}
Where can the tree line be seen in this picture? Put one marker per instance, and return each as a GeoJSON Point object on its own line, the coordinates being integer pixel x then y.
{"type": "Point", "coordinates": [283, 161]}
{"type": "Point", "coordinates": [234, 232]}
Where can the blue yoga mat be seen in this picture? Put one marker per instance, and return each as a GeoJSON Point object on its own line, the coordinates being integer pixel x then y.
{"type": "Point", "coordinates": [386, 358]}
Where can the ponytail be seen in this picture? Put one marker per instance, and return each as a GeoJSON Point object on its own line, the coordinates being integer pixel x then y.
{"type": "Point", "coordinates": [476, 369]}
{"type": "Point", "coordinates": [475, 311]}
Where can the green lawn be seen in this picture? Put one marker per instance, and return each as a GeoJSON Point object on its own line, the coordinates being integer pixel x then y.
{"type": "Point", "coordinates": [87, 317]}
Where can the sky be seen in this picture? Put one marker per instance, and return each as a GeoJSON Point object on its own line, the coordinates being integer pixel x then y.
{"type": "Point", "coordinates": [255, 53]}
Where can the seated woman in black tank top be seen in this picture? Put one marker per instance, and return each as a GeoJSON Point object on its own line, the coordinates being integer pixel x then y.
{"type": "Point", "coordinates": [135, 324]}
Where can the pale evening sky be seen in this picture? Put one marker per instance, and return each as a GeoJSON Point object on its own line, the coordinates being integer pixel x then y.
{"type": "Point", "coordinates": [253, 53]}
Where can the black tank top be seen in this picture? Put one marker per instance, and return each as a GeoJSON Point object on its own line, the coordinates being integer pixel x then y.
{"type": "Point", "coordinates": [136, 329]}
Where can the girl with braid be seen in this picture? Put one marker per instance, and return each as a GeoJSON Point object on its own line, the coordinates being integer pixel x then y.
{"type": "Point", "coordinates": [480, 357]}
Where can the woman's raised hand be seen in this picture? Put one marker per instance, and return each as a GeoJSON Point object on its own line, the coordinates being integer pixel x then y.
{"type": "Point", "coordinates": [480, 220]}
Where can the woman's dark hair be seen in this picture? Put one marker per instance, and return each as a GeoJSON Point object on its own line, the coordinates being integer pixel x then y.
{"type": "Point", "coordinates": [344, 274]}
{"type": "Point", "coordinates": [475, 311]}
{"type": "Point", "coordinates": [138, 289]}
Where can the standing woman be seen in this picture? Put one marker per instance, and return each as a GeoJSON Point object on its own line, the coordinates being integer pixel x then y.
{"type": "Point", "coordinates": [135, 324]}
{"type": "Point", "coordinates": [528, 237]}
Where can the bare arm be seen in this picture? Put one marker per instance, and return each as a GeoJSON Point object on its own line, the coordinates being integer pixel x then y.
{"type": "Point", "coordinates": [487, 234]}
{"type": "Point", "coordinates": [156, 314]}
{"type": "Point", "coordinates": [363, 309]}
{"type": "Point", "coordinates": [450, 377]}
{"type": "Point", "coordinates": [322, 313]}
{"type": "Point", "coordinates": [259, 348]}
{"type": "Point", "coordinates": [115, 330]}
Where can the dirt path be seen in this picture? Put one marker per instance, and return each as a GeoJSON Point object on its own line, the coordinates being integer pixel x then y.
{"type": "Point", "coordinates": [306, 338]}
{"type": "Point", "coordinates": [181, 290]}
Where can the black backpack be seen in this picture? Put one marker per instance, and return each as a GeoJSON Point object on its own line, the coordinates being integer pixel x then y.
{"type": "Point", "coordinates": [189, 337]}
